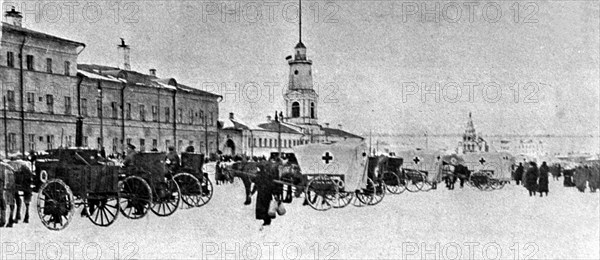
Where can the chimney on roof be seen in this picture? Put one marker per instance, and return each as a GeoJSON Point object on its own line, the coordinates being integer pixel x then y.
{"type": "Point", "coordinates": [327, 125]}
{"type": "Point", "coordinates": [14, 17]}
{"type": "Point", "coordinates": [340, 126]}
{"type": "Point", "coordinates": [124, 48]}
{"type": "Point", "coordinates": [153, 72]}
{"type": "Point", "coordinates": [268, 118]}
{"type": "Point", "coordinates": [231, 115]}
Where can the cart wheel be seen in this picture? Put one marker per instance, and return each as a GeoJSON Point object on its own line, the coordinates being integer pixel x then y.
{"type": "Point", "coordinates": [55, 204]}
{"type": "Point", "coordinates": [103, 211]}
{"type": "Point", "coordinates": [320, 193]}
{"type": "Point", "coordinates": [342, 197]}
{"type": "Point", "coordinates": [168, 196]}
{"type": "Point", "coordinates": [374, 193]}
{"type": "Point", "coordinates": [414, 182]}
{"type": "Point", "coordinates": [207, 192]}
{"type": "Point", "coordinates": [393, 183]}
{"type": "Point", "coordinates": [427, 186]}
{"type": "Point", "coordinates": [135, 197]}
{"type": "Point", "coordinates": [191, 189]}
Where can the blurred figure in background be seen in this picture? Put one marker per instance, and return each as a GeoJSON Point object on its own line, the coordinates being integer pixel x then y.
{"type": "Point", "coordinates": [531, 178]}
{"type": "Point", "coordinates": [519, 174]}
{"type": "Point", "coordinates": [543, 179]}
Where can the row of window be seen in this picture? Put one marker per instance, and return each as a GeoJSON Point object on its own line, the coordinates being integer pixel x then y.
{"type": "Point", "coordinates": [191, 114]}
{"type": "Point", "coordinates": [69, 141]}
{"type": "Point", "coordinates": [272, 142]}
{"type": "Point", "coordinates": [30, 63]}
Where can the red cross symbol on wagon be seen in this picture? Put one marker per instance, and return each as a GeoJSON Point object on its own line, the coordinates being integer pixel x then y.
{"type": "Point", "coordinates": [327, 157]}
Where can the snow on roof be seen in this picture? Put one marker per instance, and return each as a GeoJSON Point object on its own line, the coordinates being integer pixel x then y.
{"type": "Point", "coordinates": [99, 77]}
{"type": "Point", "coordinates": [167, 86]}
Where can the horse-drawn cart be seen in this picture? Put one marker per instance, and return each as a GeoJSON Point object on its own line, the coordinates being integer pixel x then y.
{"type": "Point", "coordinates": [337, 173]}
{"type": "Point", "coordinates": [73, 178]}
{"type": "Point", "coordinates": [196, 188]}
{"type": "Point", "coordinates": [490, 171]}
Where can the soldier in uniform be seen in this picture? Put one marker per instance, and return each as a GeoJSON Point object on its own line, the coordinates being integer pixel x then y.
{"type": "Point", "coordinates": [543, 179]}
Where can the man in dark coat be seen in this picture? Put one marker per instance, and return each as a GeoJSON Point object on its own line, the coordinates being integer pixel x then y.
{"type": "Point", "coordinates": [581, 177]}
{"type": "Point", "coordinates": [519, 173]}
{"type": "Point", "coordinates": [531, 177]}
{"type": "Point", "coordinates": [543, 179]}
{"type": "Point", "coordinates": [267, 190]}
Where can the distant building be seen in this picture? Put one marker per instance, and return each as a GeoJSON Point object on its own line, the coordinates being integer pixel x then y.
{"type": "Point", "coordinates": [471, 141]}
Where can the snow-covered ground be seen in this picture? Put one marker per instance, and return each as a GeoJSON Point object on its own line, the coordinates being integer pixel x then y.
{"type": "Point", "coordinates": [440, 224]}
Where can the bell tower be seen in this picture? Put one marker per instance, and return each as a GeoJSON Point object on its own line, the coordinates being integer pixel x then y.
{"type": "Point", "coordinates": [300, 97]}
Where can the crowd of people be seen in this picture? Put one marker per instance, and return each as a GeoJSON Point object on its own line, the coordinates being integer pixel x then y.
{"type": "Point", "coordinates": [536, 180]}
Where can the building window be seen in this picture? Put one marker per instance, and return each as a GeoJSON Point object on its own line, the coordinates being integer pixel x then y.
{"type": "Point", "coordinates": [10, 59]}
{"type": "Point", "coordinates": [259, 142]}
{"type": "Point", "coordinates": [49, 142]}
{"type": "Point", "coordinates": [179, 145]}
{"type": "Point", "coordinates": [50, 103]}
{"type": "Point", "coordinates": [180, 113]}
{"type": "Point", "coordinates": [99, 142]}
{"type": "Point", "coordinates": [84, 107]}
{"type": "Point", "coordinates": [211, 119]}
{"type": "Point", "coordinates": [167, 144]}
{"type": "Point", "coordinates": [99, 108]}
{"type": "Point", "coordinates": [68, 105]}
{"type": "Point", "coordinates": [202, 116]}
{"type": "Point", "coordinates": [154, 144]}
{"type": "Point", "coordinates": [114, 109]}
{"type": "Point", "coordinates": [115, 145]}
{"type": "Point", "coordinates": [312, 110]}
{"type": "Point", "coordinates": [128, 111]}
{"type": "Point", "coordinates": [30, 101]}
{"type": "Point", "coordinates": [295, 109]}
{"type": "Point", "coordinates": [167, 115]}
{"type": "Point", "coordinates": [142, 112]}
{"type": "Point", "coordinates": [31, 142]}
{"type": "Point", "coordinates": [142, 145]}
{"type": "Point", "coordinates": [10, 98]}
{"type": "Point", "coordinates": [12, 142]}
{"type": "Point", "coordinates": [67, 68]}
{"type": "Point", "coordinates": [270, 142]}
{"type": "Point", "coordinates": [191, 117]}
{"type": "Point", "coordinates": [154, 113]}
{"type": "Point", "coordinates": [49, 65]}
{"type": "Point", "coordinates": [29, 62]}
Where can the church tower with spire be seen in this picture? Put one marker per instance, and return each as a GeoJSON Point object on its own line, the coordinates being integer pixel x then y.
{"type": "Point", "coordinates": [471, 142]}
{"type": "Point", "coordinates": [301, 98]}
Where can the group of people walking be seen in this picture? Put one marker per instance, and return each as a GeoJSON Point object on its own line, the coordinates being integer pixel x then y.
{"type": "Point", "coordinates": [533, 178]}
{"type": "Point", "coordinates": [536, 179]}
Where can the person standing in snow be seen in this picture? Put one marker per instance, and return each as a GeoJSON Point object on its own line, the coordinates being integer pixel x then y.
{"type": "Point", "coordinates": [519, 174]}
{"type": "Point", "coordinates": [531, 177]}
{"type": "Point", "coordinates": [543, 179]}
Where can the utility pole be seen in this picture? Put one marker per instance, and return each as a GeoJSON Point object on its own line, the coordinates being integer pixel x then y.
{"type": "Point", "coordinates": [278, 133]}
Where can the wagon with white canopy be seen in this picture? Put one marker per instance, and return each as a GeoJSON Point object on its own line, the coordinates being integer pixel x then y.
{"type": "Point", "coordinates": [337, 173]}
{"type": "Point", "coordinates": [421, 169]}
{"type": "Point", "coordinates": [489, 170]}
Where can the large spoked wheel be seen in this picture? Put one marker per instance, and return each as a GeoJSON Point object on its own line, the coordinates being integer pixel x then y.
{"type": "Point", "coordinates": [379, 191]}
{"type": "Point", "coordinates": [135, 197]}
{"type": "Point", "coordinates": [191, 189]}
{"type": "Point", "coordinates": [342, 197]}
{"type": "Point", "coordinates": [393, 183]}
{"type": "Point", "coordinates": [320, 193]}
{"type": "Point", "coordinates": [427, 186]}
{"type": "Point", "coordinates": [207, 192]}
{"type": "Point", "coordinates": [168, 196]}
{"type": "Point", "coordinates": [414, 181]}
{"type": "Point", "coordinates": [365, 195]}
{"type": "Point", "coordinates": [55, 205]}
{"type": "Point", "coordinates": [103, 210]}
{"type": "Point", "coordinates": [497, 184]}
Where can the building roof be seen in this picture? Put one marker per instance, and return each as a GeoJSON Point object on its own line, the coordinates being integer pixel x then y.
{"type": "Point", "coordinates": [340, 132]}
{"type": "Point", "coordinates": [17, 29]}
{"type": "Point", "coordinates": [102, 72]}
{"type": "Point", "coordinates": [274, 127]}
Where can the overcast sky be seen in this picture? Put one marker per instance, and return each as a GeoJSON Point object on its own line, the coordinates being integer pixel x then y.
{"type": "Point", "coordinates": [371, 59]}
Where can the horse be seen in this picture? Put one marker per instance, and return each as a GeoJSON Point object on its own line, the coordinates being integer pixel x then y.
{"type": "Point", "coordinates": [24, 179]}
{"type": "Point", "coordinates": [461, 173]}
{"type": "Point", "coordinates": [7, 192]}
{"type": "Point", "coordinates": [246, 171]}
